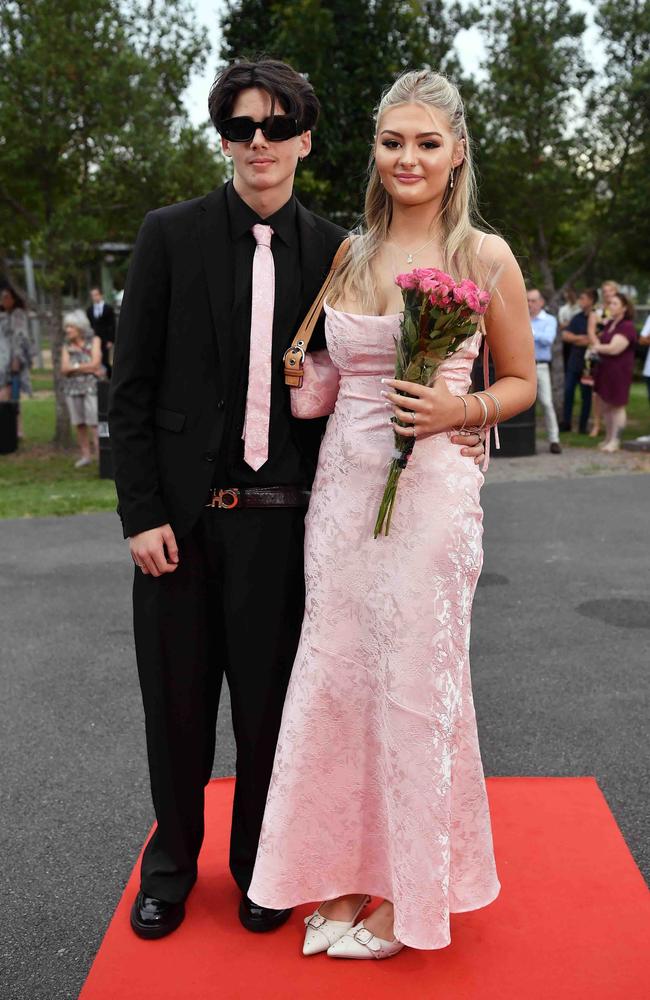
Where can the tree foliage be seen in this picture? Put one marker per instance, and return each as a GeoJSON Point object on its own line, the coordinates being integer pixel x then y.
{"type": "Point", "coordinates": [531, 180]}
{"type": "Point", "coordinates": [350, 53]}
{"type": "Point", "coordinates": [92, 128]}
{"type": "Point", "coordinates": [93, 132]}
{"type": "Point", "coordinates": [621, 125]}
{"type": "Point", "coordinates": [562, 151]}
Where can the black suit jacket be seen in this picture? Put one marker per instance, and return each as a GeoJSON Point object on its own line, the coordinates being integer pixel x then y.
{"type": "Point", "coordinates": [104, 325]}
{"type": "Point", "coordinates": [169, 388]}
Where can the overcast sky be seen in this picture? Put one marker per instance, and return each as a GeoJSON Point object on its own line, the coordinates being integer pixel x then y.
{"type": "Point", "coordinates": [468, 44]}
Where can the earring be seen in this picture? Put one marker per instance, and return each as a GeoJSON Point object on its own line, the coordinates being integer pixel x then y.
{"type": "Point", "coordinates": [451, 179]}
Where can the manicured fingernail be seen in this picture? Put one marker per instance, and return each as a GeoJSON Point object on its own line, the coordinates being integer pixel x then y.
{"type": "Point", "coordinates": [383, 393]}
{"type": "Point", "coordinates": [384, 380]}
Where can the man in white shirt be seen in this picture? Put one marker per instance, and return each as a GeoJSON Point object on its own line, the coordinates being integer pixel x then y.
{"type": "Point", "coordinates": [544, 328]}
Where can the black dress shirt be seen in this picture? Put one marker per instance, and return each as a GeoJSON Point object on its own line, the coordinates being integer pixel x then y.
{"type": "Point", "coordinates": [576, 359]}
{"type": "Point", "coordinates": [287, 464]}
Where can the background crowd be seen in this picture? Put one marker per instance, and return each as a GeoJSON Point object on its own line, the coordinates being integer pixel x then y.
{"type": "Point", "coordinates": [600, 344]}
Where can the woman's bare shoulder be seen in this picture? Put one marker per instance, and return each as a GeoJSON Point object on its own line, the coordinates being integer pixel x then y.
{"type": "Point", "coordinates": [491, 246]}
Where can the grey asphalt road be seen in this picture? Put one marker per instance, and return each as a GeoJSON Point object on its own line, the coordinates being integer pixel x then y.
{"type": "Point", "coordinates": [560, 662]}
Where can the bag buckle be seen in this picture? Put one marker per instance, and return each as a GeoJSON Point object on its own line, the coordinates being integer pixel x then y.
{"type": "Point", "coordinates": [294, 365]}
{"type": "Point", "coordinates": [224, 499]}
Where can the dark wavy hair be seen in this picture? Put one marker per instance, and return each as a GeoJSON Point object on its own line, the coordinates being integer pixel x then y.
{"type": "Point", "coordinates": [281, 82]}
{"type": "Point", "coordinates": [18, 301]}
{"type": "Point", "coordinates": [627, 302]}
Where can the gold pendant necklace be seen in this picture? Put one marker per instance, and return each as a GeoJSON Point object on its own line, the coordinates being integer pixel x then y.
{"type": "Point", "coordinates": [410, 255]}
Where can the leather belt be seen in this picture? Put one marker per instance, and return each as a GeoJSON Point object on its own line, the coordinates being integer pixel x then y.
{"type": "Point", "coordinates": [258, 496]}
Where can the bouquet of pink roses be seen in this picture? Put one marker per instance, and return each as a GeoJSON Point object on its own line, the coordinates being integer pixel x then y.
{"type": "Point", "coordinates": [440, 314]}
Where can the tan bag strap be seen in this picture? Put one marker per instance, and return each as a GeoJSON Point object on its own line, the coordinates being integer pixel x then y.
{"type": "Point", "coordinates": [294, 357]}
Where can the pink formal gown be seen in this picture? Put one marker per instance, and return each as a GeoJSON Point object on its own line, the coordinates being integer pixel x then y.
{"type": "Point", "coordinates": [378, 785]}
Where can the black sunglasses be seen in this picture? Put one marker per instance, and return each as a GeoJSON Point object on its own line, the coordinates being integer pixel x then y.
{"type": "Point", "coordinates": [276, 128]}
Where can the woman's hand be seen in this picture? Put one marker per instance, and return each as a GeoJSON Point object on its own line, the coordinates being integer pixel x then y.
{"type": "Point", "coordinates": [430, 410]}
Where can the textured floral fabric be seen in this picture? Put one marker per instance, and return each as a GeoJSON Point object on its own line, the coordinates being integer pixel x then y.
{"type": "Point", "coordinates": [378, 785]}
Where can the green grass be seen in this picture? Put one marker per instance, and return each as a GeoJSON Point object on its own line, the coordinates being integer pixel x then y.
{"type": "Point", "coordinates": [638, 419]}
{"type": "Point", "coordinates": [42, 379]}
{"type": "Point", "coordinates": [38, 481]}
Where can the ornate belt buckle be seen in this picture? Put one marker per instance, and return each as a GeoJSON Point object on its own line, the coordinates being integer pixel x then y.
{"type": "Point", "coordinates": [224, 499]}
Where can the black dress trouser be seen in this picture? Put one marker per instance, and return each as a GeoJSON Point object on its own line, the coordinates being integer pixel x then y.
{"type": "Point", "coordinates": [106, 359]}
{"type": "Point", "coordinates": [235, 606]}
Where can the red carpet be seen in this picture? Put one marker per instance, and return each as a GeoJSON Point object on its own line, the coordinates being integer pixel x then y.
{"type": "Point", "coordinates": [572, 921]}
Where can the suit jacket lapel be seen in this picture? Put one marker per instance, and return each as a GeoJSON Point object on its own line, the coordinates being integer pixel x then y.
{"type": "Point", "coordinates": [214, 243]}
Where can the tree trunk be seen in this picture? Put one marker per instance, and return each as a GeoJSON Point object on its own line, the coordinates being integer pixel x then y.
{"type": "Point", "coordinates": [62, 427]}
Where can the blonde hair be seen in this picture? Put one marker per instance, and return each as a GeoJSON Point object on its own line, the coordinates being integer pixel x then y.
{"type": "Point", "coordinates": [78, 319]}
{"type": "Point", "coordinates": [355, 278]}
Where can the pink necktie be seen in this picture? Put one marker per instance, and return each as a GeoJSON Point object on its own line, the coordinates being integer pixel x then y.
{"type": "Point", "coordinates": [258, 400]}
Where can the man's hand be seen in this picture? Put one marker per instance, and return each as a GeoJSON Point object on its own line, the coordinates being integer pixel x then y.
{"type": "Point", "coordinates": [472, 444]}
{"type": "Point", "coordinates": [155, 552]}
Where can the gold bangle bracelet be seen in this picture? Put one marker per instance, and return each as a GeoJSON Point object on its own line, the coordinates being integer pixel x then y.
{"type": "Point", "coordinates": [464, 423]}
{"type": "Point", "coordinates": [478, 396]}
{"type": "Point", "coordinates": [497, 406]}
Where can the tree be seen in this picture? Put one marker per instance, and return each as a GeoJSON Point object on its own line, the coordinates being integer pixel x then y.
{"type": "Point", "coordinates": [621, 125]}
{"type": "Point", "coordinates": [92, 129]}
{"type": "Point", "coordinates": [350, 53]}
{"type": "Point", "coordinates": [529, 153]}
{"type": "Point", "coordinates": [563, 152]}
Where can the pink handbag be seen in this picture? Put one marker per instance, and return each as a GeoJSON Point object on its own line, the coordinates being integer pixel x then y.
{"type": "Point", "coordinates": [313, 379]}
{"type": "Point", "coordinates": [320, 387]}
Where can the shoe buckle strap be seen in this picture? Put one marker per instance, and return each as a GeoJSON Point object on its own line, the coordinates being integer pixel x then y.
{"type": "Point", "coordinates": [316, 920]}
{"type": "Point", "coordinates": [366, 937]}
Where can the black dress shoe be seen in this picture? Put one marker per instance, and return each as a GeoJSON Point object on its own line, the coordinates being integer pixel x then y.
{"type": "Point", "coordinates": [155, 918]}
{"type": "Point", "coordinates": [555, 449]}
{"type": "Point", "coordinates": [258, 918]}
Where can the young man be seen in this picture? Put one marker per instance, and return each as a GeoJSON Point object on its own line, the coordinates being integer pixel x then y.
{"type": "Point", "coordinates": [575, 337]}
{"type": "Point", "coordinates": [544, 328]}
{"type": "Point", "coordinates": [213, 473]}
{"type": "Point", "coordinates": [101, 317]}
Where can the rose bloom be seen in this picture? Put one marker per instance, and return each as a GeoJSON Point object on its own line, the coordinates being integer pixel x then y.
{"type": "Point", "coordinates": [407, 281]}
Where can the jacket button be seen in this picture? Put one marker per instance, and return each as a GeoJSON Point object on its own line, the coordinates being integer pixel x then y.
{"type": "Point", "coordinates": [221, 404]}
{"type": "Point", "coordinates": [209, 456]}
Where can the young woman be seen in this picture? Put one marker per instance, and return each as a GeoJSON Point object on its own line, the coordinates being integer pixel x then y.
{"type": "Point", "coordinates": [615, 348]}
{"type": "Point", "coordinates": [81, 361]}
{"type": "Point", "coordinates": [378, 786]}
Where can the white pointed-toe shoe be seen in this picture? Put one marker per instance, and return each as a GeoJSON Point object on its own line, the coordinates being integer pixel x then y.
{"type": "Point", "coordinates": [359, 942]}
{"type": "Point", "coordinates": [322, 933]}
